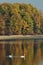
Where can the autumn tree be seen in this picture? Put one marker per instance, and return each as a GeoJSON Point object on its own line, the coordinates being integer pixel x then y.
{"type": "Point", "coordinates": [20, 18]}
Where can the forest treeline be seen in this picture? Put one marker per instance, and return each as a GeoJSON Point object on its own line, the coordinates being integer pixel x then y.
{"type": "Point", "coordinates": [20, 18]}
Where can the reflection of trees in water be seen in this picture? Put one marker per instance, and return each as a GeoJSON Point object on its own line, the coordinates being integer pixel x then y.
{"type": "Point", "coordinates": [32, 49]}
{"type": "Point", "coordinates": [35, 47]}
{"type": "Point", "coordinates": [41, 46]}
{"type": "Point", "coordinates": [37, 50]}
{"type": "Point", "coordinates": [2, 53]}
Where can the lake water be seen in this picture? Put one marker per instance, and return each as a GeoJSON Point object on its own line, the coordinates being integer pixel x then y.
{"type": "Point", "coordinates": [30, 50]}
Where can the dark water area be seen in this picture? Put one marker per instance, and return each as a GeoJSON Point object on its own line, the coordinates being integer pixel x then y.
{"type": "Point", "coordinates": [32, 50]}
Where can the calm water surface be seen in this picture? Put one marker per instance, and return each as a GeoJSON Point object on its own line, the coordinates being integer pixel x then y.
{"type": "Point", "coordinates": [32, 50]}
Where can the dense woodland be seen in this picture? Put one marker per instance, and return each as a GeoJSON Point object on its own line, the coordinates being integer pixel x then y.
{"type": "Point", "coordinates": [20, 18]}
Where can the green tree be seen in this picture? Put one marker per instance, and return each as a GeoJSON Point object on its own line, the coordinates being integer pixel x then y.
{"type": "Point", "coordinates": [41, 26]}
